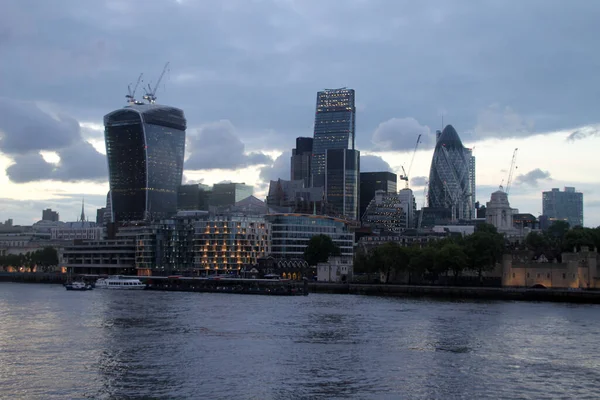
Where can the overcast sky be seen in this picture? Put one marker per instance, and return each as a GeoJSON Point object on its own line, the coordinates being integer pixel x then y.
{"type": "Point", "coordinates": [505, 74]}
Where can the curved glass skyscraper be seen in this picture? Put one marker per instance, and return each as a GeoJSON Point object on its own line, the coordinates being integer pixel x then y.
{"type": "Point", "coordinates": [451, 178]}
{"type": "Point", "coordinates": [145, 145]}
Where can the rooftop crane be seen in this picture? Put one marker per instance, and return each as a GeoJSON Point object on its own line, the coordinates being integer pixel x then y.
{"type": "Point", "coordinates": [511, 171]}
{"type": "Point", "coordinates": [131, 94]}
{"type": "Point", "coordinates": [406, 175]}
{"type": "Point", "coordinates": [151, 93]}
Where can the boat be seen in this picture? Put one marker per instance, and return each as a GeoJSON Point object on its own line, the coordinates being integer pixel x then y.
{"type": "Point", "coordinates": [119, 282]}
{"type": "Point", "coordinates": [80, 286]}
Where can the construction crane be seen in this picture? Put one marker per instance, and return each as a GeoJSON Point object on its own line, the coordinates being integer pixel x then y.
{"type": "Point", "coordinates": [150, 95]}
{"type": "Point", "coordinates": [131, 94]}
{"type": "Point", "coordinates": [512, 170]}
{"type": "Point", "coordinates": [405, 177]}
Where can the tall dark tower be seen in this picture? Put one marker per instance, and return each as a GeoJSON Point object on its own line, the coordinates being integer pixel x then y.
{"type": "Point", "coordinates": [335, 121]}
{"type": "Point", "coordinates": [301, 159]}
{"type": "Point", "coordinates": [145, 145]}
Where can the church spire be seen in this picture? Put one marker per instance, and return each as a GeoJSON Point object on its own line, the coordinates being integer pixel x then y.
{"type": "Point", "coordinates": [82, 218]}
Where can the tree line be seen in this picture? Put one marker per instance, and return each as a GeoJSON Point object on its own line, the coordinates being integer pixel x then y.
{"type": "Point", "coordinates": [452, 255]}
{"type": "Point", "coordinates": [43, 259]}
{"type": "Point", "coordinates": [559, 238]}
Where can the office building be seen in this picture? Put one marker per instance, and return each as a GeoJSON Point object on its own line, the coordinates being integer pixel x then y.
{"type": "Point", "coordinates": [49, 215]}
{"type": "Point", "coordinates": [451, 176]}
{"type": "Point", "coordinates": [145, 145]}
{"type": "Point", "coordinates": [563, 206]}
{"type": "Point", "coordinates": [301, 160]}
{"type": "Point", "coordinates": [335, 121]}
{"type": "Point", "coordinates": [193, 197]}
{"type": "Point", "coordinates": [342, 180]}
{"type": "Point", "coordinates": [370, 182]}
{"type": "Point", "coordinates": [227, 194]}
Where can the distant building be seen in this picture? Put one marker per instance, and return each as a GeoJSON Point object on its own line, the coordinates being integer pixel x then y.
{"type": "Point", "coordinates": [452, 176]}
{"type": "Point", "coordinates": [226, 194]}
{"type": "Point", "coordinates": [301, 160]}
{"type": "Point", "coordinates": [500, 214]}
{"type": "Point", "coordinates": [335, 121]}
{"type": "Point", "coordinates": [342, 181]}
{"type": "Point", "coordinates": [291, 233]}
{"type": "Point", "coordinates": [370, 182]}
{"type": "Point", "coordinates": [563, 206]}
{"type": "Point", "coordinates": [100, 215]}
{"type": "Point", "coordinates": [193, 197]}
{"type": "Point", "coordinates": [386, 213]}
{"type": "Point", "coordinates": [336, 269]}
{"type": "Point", "coordinates": [145, 147]}
{"type": "Point", "coordinates": [525, 223]}
{"type": "Point", "coordinates": [49, 215]}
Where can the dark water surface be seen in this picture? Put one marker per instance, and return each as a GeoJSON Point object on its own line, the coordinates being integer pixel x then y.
{"type": "Point", "coordinates": [56, 344]}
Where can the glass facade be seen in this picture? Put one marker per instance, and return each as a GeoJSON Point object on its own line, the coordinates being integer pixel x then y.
{"type": "Point", "coordinates": [291, 232]}
{"type": "Point", "coordinates": [145, 146]}
{"type": "Point", "coordinates": [450, 176]}
{"type": "Point", "coordinates": [227, 194]}
{"type": "Point", "coordinates": [342, 182]}
{"type": "Point", "coordinates": [301, 160]}
{"type": "Point", "coordinates": [370, 182]}
{"type": "Point", "coordinates": [334, 128]}
{"type": "Point", "coordinates": [564, 206]}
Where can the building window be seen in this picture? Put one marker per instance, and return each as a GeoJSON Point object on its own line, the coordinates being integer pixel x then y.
{"type": "Point", "coordinates": [564, 276]}
{"type": "Point", "coordinates": [513, 274]}
{"type": "Point", "coordinates": [547, 275]}
{"type": "Point", "coordinates": [528, 274]}
{"type": "Point", "coordinates": [538, 275]}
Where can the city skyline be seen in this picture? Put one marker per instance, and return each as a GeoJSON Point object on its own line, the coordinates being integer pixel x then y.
{"type": "Point", "coordinates": [246, 107]}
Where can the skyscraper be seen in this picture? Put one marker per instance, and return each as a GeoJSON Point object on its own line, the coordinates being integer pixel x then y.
{"type": "Point", "coordinates": [145, 145]}
{"type": "Point", "coordinates": [334, 128]}
{"type": "Point", "coordinates": [472, 182]}
{"type": "Point", "coordinates": [563, 206]}
{"type": "Point", "coordinates": [451, 176]}
{"type": "Point", "coordinates": [301, 160]}
{"type": "Point", "coordinates": [342, 180]}
{"type": "Point", "coordinates": [370, 182]}
{"type": "Point", "coordinates": [49, 215]}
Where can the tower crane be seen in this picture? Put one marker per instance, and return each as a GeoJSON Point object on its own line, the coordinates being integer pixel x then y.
{"type": "Point", "coordinates": [151, 92]}
{"type": "Point", "coordinates": [405, 177]}
{"type": "Point", "coordinates": [131, 94]}
{"type": "Point", "coordinates": [512, 170]}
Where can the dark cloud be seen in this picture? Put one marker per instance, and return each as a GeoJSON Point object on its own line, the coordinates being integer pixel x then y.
{"type": "Point", "coordinates": [279, 169]}
{"type": "Point", "coordinates": [418, 181]}
{"type": "Point", "coordinates": [373, 164]}
{"type": "Point", "coordinates": [401, 134]}
{"type": "Point", "coordinates": [533, 177]}
{"type": "Point", "coordinates": [217, 146]}
{"type": "Point", "coordinates": [24, 128]}
{"type": "Point", "coordinates": [582, 133]}
{"type": "Point", "coordinates": [77, 163]}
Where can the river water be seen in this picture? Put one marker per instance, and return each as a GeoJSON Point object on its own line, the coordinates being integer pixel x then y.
{"type": "Point", "coordinates": [56, 344]}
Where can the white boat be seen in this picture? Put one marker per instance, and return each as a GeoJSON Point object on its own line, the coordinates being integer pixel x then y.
{"type": "Point", "coordinates": [119, 282]}
{"type": "Point", "coordinates": [79, 286]}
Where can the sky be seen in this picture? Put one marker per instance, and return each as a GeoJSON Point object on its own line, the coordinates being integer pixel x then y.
{"type": "Point", "coordinates": [505, 74]}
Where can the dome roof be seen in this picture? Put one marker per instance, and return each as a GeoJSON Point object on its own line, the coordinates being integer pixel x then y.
{"type": "Point", "coordinates": [449, 138]}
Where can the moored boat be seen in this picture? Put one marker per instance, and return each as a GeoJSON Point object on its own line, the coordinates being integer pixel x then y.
{"type": "Point", "coordinates": [119, 282]}
{"type": "Point", "coordinates": [78, 286]}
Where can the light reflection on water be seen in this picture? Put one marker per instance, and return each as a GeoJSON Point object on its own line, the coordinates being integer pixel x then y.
{"type": "Point", "coordinates": [56, 344]}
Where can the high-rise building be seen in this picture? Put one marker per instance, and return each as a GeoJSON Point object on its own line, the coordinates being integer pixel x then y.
{"type": "Point", "coordinates": [451, 176]}
{"type": "Point", "coordinates": [227, 194]}
{"type": "Point", "coordinates": [472, 182]}
{"type": "Point", "coordinates": [563, 206]}
{"type": "Point", "coordinates": [301, 160]}
{"type": "Point", "coordinates": [145, 146]}
{"type": "Point", "coordinates": [193, 197]}
{"type": "Point", "coordinates": [370, 182]}
{"type": "Point", "coordinates": [335, 121]}
{"type": "Point", "coordinates": [49, 215]}
{"type": "Point", "coordinates": [342, 181]}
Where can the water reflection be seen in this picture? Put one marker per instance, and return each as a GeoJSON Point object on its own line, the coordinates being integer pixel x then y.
{"type": "Point", "coordinates": [56, 344]}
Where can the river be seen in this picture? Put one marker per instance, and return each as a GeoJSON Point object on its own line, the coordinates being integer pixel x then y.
{"type": "Point", "coordinates": [58, 344]}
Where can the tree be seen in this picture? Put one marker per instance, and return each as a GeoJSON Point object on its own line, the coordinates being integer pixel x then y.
{"type": "Point", "coordinates": [484, 249]}
{"type": "Point", "coordinates": [577, 237]}
{"type": "Point", "coordinates": [47, 257]}
{"type": "Point", "coordinates": [558, 230]}
{"type": "Point", "coordinates": [422, 263]}
{"type": "Point", "coordinates": [485, 227]}
{"type": "Point", "coordinates": [451, 257]}
{"type": "Point", "coordinates": [537, 242]}
{"type": "Point", "coordinates": [395, 258]}
{"type": "Point", "coordinates": [319, 249]}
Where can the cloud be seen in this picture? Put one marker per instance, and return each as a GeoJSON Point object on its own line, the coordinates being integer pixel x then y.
{"type": "Point", "coordinates": [371, 163]}
{"type": "Point", "coordinates": [25, 128]}
{"type": "Point", "coordinates": [217, 146]}
{"type": "Point", "coordinates": [501, 122]}
{"type": "Point", "coordinates": [78, 162]}
{"type": "Point", "coordinates": [583, 132]}
{"type": "Point", "coordinates": [418, 181]}
{"type": "Point", "coordinates": [533, 177]}
{"type": "Point", "coordinates": [280, 168]}
{"type": "Point", "coordinates": [401, 134]}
